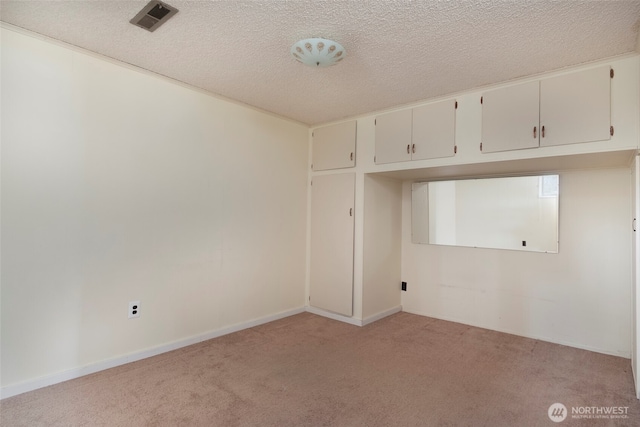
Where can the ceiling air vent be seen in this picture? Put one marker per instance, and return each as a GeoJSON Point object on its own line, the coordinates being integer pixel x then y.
{"type": "Point", "coordinates": [154, 14]}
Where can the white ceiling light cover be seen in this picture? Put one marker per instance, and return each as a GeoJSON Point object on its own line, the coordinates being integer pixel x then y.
{"type": "Point", "coordinates": [318, 52]}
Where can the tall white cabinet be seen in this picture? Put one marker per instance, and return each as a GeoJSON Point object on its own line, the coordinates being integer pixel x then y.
{"type": "Point", "coordinates": [635, 276]}
{"type": "Point", "coordinates": [332, 228]}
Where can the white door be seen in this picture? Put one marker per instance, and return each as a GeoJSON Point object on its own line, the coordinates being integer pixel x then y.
{"type": "Point", "coordinates": [332, 213]}
{"type": "Point", "coordinates": [576, 107]}
{"type": "Point", "coordinates": [635, 342]}
{"type": "Point", "coordinates": [334, 146]}
{"type": "Point", "coordinates": [510, 118]}
{"type": "Point", "coordinates": [434, 131]}
{"type": "Point", "coordinates": [393, 137]}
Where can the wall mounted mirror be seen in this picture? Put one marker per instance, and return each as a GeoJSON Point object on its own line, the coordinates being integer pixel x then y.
{"type": "Point", "coordinates": [518, 213]}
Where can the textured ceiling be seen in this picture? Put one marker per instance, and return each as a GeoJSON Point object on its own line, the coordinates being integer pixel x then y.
{"type": "Point", "coordinates": [398, 52]}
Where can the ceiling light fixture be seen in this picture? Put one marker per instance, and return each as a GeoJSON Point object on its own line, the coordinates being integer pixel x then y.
{"type": "Point", "coordinates": [317, 52]}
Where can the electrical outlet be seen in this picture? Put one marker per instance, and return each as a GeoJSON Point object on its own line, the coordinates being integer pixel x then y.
{"type": "Point", "coordinates": [134, 309]}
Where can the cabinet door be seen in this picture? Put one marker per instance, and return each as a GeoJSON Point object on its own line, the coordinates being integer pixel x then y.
{"type": "Point", "coordinates": [576, 107]}
{"type": "Point", "coordinates": [434, 131]}
{"type": "Point", "coordinates": [334, 146]}
{"type": "Point", "coordinates": [635, 272]}
{"type": "Point", "coordinates": [332, 203]}
{"type": "Point", "coordinates": [510, 118]}
{"type": "Point", "coordinates": [635, 264]}
{"type": "Point", "coordinates": [393, 137]}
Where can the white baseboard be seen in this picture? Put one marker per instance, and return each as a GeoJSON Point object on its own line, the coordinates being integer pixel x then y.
{"type": "Point", "coordinates": [334, 316]}
{"type": "Point", "coordinates": [15, 389]}
{"type": "Point", "coordinates": [623, 354]}
{"type": "Point", "coordinates": [381, 315]}
{"type": "Point", "coordinates": [353, 320]}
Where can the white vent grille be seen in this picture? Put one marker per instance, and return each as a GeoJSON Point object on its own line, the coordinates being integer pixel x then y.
{"type": "Point", "coordinates": [153, 15]}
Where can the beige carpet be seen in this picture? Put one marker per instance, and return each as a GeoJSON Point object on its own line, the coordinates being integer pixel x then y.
{"type": "Point", "coordinates": [305, 370]}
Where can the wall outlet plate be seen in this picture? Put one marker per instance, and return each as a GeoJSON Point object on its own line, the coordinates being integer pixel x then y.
{"type": "Point", "coordinates": [134, 309]}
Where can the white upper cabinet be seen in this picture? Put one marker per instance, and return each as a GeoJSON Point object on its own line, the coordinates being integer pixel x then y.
{"type": "Point", "coordinates": [393, 137]}
{"type": "Point", "coordinates": [576, 107]}
{"type": "Point", "coordinates": [434, 131]}
{"type": "Point", "coordinates": [426, 132]}
{"type": "Point", "coordinates": [567, 109]}
{"type": "Point", "coordinates": [510, 118]}
{"type": "Point", "coordinates": [334, 146]}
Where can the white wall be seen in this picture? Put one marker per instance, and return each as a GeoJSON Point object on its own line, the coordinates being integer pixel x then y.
{"type": "Point", "coordinates": [119, 185]}
{"type": "Point", "coordinates": [580, 296]}
{"type": "Point", "coordinates": [382, 245]}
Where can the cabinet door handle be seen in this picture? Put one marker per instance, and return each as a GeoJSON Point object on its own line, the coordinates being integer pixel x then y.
{"type": "Point", "coordinates": [542, 130]}
{"type": "Point", "coordinates": [413, 148]}
{"type": "Point", "coordinates": [535, 131]}
{"type": "Point", "coordinates": [350, 211]}
{"type": "Point", "coordinates": [408, 148]}
{"type": "Point", "coordinates": [351, 156]}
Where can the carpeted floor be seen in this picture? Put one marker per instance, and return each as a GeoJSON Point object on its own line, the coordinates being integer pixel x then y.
{"type": "Point", "coordinates": [306, 370]}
